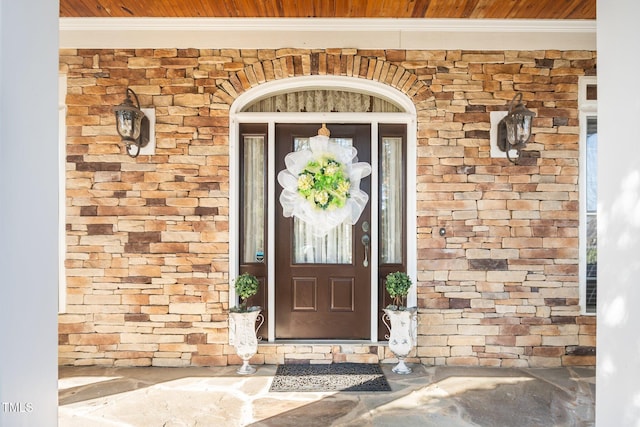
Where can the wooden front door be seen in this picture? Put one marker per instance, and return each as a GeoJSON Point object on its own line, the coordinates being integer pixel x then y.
{"type": "Point", "coordinates": [323, 285]}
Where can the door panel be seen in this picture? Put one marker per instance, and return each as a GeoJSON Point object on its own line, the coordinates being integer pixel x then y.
{"type": "Point", "coordinates": [305, 294]}
{"type": "Point", "coordinates": [323, 287]}
{"type": "Point", "coordinates": [342, 294]}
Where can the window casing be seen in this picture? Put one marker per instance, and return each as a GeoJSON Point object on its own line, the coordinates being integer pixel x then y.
{"type": "Point", "coordinates": [244, 122]}
{"type": "Point", "coordinates": [588, 194]}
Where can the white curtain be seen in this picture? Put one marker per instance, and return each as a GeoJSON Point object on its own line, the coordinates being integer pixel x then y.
{"type": "Point", "coordinates": [334, 248]}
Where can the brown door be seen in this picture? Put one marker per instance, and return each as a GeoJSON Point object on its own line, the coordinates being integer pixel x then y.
{"type": "Point", "coordinates": [323, 285]}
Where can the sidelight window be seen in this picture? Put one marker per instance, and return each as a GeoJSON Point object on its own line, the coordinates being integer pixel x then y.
{"type": "Point", "coordinates": [588, 194]}
{"type": "Point", "coordinates": [391, 194]}
{"type": "Point", "coordinates": [253, 199]}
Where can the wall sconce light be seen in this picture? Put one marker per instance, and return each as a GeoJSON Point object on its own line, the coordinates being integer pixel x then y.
{"type": "Point", "coordinates": [132, 124]}
{"type": "Point", "coordinates": [514, 130]}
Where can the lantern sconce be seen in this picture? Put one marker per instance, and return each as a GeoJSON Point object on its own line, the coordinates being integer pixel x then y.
{"type": "Point", "coordinates": [514, 130]}
{"type": "Point", "coordinates": [134, 126]}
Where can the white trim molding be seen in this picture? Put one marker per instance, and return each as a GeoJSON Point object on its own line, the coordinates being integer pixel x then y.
{"type": "Point", "coordinates": [236, 116]}
{"type": "Point", "coordinates": [292, 84]}
{"type": "Point", "coordinates": [313, 33]}
{"type": "Point", "coordinates": [62, 194]}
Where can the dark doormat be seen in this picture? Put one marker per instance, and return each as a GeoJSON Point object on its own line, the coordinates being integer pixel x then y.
{"type": "Point", "coordinates": [330, 377]}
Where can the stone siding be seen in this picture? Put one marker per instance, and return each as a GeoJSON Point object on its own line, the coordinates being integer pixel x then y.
{"type": "Point", "coordinates": [148, 238]}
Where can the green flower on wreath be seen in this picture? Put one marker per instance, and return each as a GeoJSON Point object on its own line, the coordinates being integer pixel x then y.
{"type": "Point", "coordinates": [324, 183]}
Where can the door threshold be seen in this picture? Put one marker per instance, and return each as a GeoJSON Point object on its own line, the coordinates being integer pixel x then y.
{"type": "Point", "coordinates": [322, 342]}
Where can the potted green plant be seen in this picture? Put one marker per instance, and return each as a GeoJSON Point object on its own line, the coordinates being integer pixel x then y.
{"type": "Point", "coordinates": [246, 285]}
{"type": "Point", "coordinates": [243, 319]}
{"type": "Point", "coordinates": [398, 285]}
{"type": "Point", "coordinates": [401, 338]}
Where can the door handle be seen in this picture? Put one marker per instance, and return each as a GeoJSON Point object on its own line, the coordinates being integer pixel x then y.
{"type": "Point", "coordinates": [365, 241]}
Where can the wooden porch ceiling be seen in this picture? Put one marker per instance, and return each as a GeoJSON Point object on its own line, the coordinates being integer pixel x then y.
{"type": "Point", "coordinates": [460, 9]}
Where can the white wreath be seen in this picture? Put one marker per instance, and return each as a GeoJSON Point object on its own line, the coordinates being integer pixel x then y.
{"type": "Point", "coordinates": [324, 211]}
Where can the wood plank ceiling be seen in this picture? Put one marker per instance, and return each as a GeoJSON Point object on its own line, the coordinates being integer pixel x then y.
{"type": "Point", "coordinates": [474, 9]}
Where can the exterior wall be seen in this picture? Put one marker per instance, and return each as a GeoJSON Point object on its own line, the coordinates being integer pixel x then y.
{"type": "Point", "coordinates": [148, 242]}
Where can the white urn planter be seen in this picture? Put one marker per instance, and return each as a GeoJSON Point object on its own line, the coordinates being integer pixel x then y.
{"type": "Point", "coordinates": [243, 326]}
{"type": "Point", "coordinates": [401, 338]}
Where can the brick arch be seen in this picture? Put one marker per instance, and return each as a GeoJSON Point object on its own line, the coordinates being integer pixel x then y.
{"type": "Point", "coordinates": [346, 63]}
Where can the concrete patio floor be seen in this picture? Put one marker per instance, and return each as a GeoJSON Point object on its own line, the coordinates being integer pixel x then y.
{"type": "Point", "coordinates": [430, 396]}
